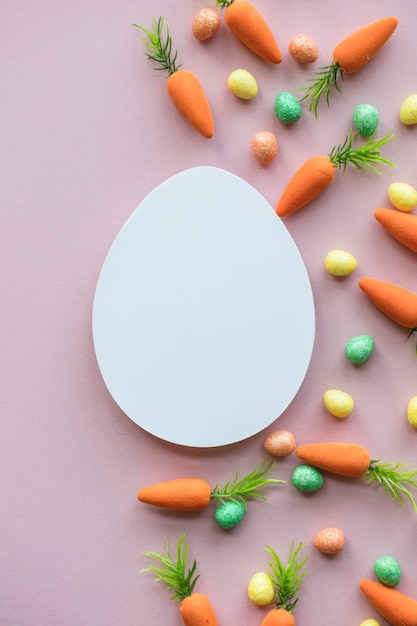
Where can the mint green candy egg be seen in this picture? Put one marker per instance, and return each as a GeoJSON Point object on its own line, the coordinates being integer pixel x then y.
{"type": "Point", "coordinates": [229, 514]}
{"type": "Point", "coordinates": [365, 119]}
{"type": "Point", "coordinates": [307, 478]}
{"type": "Point", "coordinates": [287, 108]}
{"type": "Point", "coordinates": [359, 349]}
{"type": "Point", "coordinates": [388, 571]}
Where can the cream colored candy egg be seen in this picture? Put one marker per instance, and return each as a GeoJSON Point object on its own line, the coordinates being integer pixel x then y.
{"type": "Point", "coordinates": [303, 48]}
{"type": "Point", "coordinates": [260, 589]}
{"type": "Point", "coordinates": [370, 622]}
{"type": "Point", "coordinates": [412, 412]}
{"type": "Point", "coordinates": [242, 84]}
{"type": "Point", "coordinates": [280, 443]}
{"type": "Point", "coordinates": [338, 403]}
{"type": "Point", "coordinates": [408, 110]}
{"type": "Point", "coordinates": [264, 147]}
{"type": "Point", "coordinates": [329, 540]}
{"type": "Point", "coordinates": [340, 263]}
{"type": "Point", "coordinates": [205, 24]}
{"type": "Point", "coordinates": [402, 196]}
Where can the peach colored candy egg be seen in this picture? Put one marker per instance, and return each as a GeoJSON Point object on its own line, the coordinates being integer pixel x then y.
{"type": "Point", "coordinates": [264, 147]}
{"type": "Point", "coordinates": [303, 49]}
{"type": "Point", "coordinates": [280, 443]}
{"type": "Point", "coordinates": [205, 24]}
{"type": "Point", "coordinates": [329, 540]}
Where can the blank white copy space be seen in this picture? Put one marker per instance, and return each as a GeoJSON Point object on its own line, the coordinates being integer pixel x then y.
{"type": "Point", "coordinates": [203, 317]}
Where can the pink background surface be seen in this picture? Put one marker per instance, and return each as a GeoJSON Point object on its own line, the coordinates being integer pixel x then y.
{"type": "Point", "coordinates": [87, 132]}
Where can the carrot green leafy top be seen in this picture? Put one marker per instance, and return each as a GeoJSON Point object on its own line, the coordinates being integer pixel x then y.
{"type": "Point", "coordinates": [224, 3]}
{"type": "Point", "coordinates": [321, 85]}
{"type": "Point", "coordinates": [160, 46]}
{"type": "Point", "coordinates": [394, 478]}
{"type": "Point", "coordinates": [175, 573]}
{"type": "Point", "coordinates": [287, 579]}
{"type": "Point", "coordinates": [364, 157]}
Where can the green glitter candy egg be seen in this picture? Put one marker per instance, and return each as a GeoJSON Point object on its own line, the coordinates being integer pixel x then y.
{"type": "Point", "coordinates": [365, 119]}
{"type": "Point", "coordinates": [388, 571]}
{"type": "Point", "coordinates": [229, 514]}
{"type": "Point", "coordinates": [359, 349]}
{"type": "Point", "coordinates": [307, 478]}
{"type": "Point", "coordinates": [287, 108]}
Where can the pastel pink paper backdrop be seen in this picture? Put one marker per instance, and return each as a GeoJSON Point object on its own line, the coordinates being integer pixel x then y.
{"type": "Point", "coordinates": [87, 132]}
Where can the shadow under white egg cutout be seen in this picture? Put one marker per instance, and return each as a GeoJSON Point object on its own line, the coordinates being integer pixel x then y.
{"type": "Point", "coordinates": [203, 316]}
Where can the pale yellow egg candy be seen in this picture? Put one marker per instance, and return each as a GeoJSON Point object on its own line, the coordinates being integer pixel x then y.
{"type": "Point", "coordinates": [403, 196]}
{"type": "Point", "coordinates": [242, 84]}
{"type": "Point", "coordinates": [412, 412]}
{"type": "Point", "coordinates": [370, 622]}
{"type": "Point", "coordinates": [338, 403]}
{"type": "Point", "coordinates": [340, 263]}
{"type": "Point", "coordinates": [408, 110]}
{"type": "Point", "coordinates": [260, 589]}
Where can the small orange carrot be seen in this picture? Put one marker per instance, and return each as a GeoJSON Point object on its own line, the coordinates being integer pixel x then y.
{"type": "Point", "coordinates": [396, 607]}
{"type": "Point", "coordinates": [195, 608]}
{"type": "Point", "coordinates": [397, 303]}
{"type": "Point", "coordinates": [183, 86]}
{"type": "Point", "coordinates": [181, 494]}
{"type": "Point", "coordinates": [353, 460]}
{"type": "Point", "coordinates": [312, 178]}
{"type": "Point", "coordinates": [349, 56]}
{"type": "Point", "coordinates": [248, 25]}
{"type": "Point", "coordinates": [400, 225]}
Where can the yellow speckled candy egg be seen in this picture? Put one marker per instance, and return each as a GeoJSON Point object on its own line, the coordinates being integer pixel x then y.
{"type": "Point", "coordinates": [338, 403]}
{"type": "Point", "coordinates": [402, 196]}
{"type": "Point", "coordinates": [242, 84]}
{"type": "Point", "coordinates": [264, 147]}
{"type": "Point", "coordinates": [205, 24]}
{"type": "Point", "coordinates": [340, 263]}
{"type": "Point", "coordinates": [303, 48]}
{"type": "Point", "coordinates": [412, 412]}
{"type": "Point", "coordinates": [280, 443]}
{"type": "Point", "coordinates": [260, 589]}
{"type": "Point", "coordinates": [370, 622]}
{"type": "Point", "coordinates": [329, 540]}
{"type": "Point", "coordinates": [408, 110]}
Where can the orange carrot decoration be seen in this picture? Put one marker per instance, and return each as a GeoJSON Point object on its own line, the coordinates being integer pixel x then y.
{"type": "Point", "coordinates": [312, 178]}
{"type": "Point", "coordinates": [349, 56]}
{"type": "Point", "coordinates": [353, 460]}
{"type": "Point", "coordinates": [248, 25]}
{"type": "Point", "coordinates": [194, 494]}
{"type": "Point", "coordinates": [397, 303]}
{"type": "Point", "coordinates": [195, 608]}
{"type": "Point", "coordinates": [396, 607]}
{"type": "Point", "coordinates": [400, 225]}
{"type": "Point", "coordinates": [183, 86]}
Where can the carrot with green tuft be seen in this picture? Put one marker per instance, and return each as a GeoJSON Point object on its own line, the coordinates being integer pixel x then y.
{"type": "Point", "coordinates": [354, 461]}
{"type": "Point", "coordinates": [248, 25]}
{"type": "Point", "coordinates": [394, 606]}
{"type": "Point", "coordinates": [183, 86]}
{"type": "Point", "coordinates": [316, 174]}
{"type": "Point", "coordinates": [349, 56]}
{"type": "Point", "coordinates": [195, 608]}
{"type": "Point", "coordinates": [399, 304]}
{"type": "Point", "coordinates": [400, 225]}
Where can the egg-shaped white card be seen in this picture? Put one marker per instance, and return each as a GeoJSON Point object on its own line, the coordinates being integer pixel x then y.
{"type": "Point", "coordinates": [203, 316]}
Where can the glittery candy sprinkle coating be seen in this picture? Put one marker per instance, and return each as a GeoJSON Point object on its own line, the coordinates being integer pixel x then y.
{"type": "Point", "coordinates": [264, 147]}
{"type": "Point", "coordinates": [205, 24]}
{"type": "Point", "coordinates": [280, 443]}
{"type": "Point", "coordinates": [329, 540]}
{"type": "Point", "coordinates": [303, 48]}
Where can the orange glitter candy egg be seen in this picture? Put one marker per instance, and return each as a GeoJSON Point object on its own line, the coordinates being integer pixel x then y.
{"type": "Point", "coordinates": [303, 49]}
{"type": "Point", "coordinates": [205, 24]}
{"type": "Point", "coordinates": [280, 443]}
{"type": "Point", "coordinates": [329, 540]}
{"type": "Point", "coordinates": [264, 147]}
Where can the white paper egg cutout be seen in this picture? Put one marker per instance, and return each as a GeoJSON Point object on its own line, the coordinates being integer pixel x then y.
{"type": "Point", "coordinates": [203, 315]}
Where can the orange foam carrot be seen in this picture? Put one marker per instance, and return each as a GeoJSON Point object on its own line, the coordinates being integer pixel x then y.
{"type": "Point", "coordinates": [183, 86]}
{"type": "Point", "coordinates": [197, 610]}
{"type": "Point", "coordinates": [400, 225]}
{"type": "Point", "coordinates": [278, 617]}
{"type": "Point", "coordinates": [397, 303]}
{"type": "Point", "coordinates": [181, 494]}
{"type": "Point", "coordinates": [345, 459]}
{"type": "Point", "coordinates": [248, 25]}
{"type": "Point", "coordinates": [396, 607]}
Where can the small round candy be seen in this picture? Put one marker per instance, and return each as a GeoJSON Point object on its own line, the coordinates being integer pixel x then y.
{"type": "Point", "coordinates": [260, 589]}
{"type": "Point", "coordinates": [359, 349]}
{"type": "Point", "coordinates": [229, 514]}
{"type": "Point", "coordinates": [365, 119]}
{"type": "Point", "coordinates": [408, 110]}
{"type": "Point", "coordinates": [412, 412]}
{"type": "Point", "coordinates": [340, 263]}
{"type": "Point", "coordinates": [280, 443]}
{"type": "Point", "coordinates": [402, 196]}
{"type": "Point", "coordinates": [264, 147]}
{"type": "Point", "coordinates": [242, 84]}
{"type": "Point", "coordinates": [338, 403]}
{"type": "Point", "coordinates": [205, 24]}
{"type": "Point", "coordinates": [370, 622]}
{"type": "Point", "coordinates": [287, 108]}
{"type": "Point", "coordinates": [388, 571]}
{"type": "Point", "coordinates": [329, 540]}
{"type": "Point", "coordinates": [307, 478]}
{"type": "Point", "coordinates": [303, 49]}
